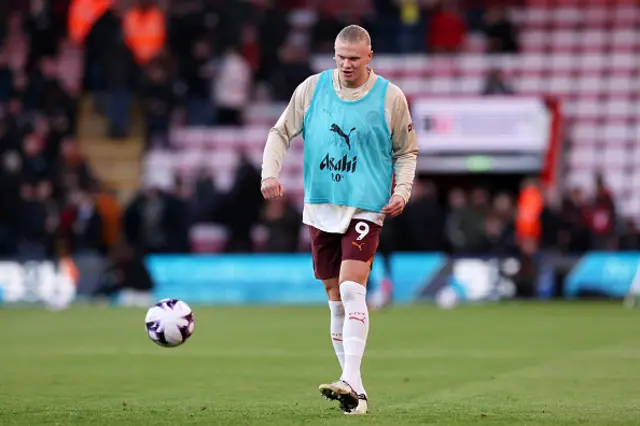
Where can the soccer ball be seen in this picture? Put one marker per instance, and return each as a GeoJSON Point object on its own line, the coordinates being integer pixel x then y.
{"type": "Point", "coordinates": [169, 322]}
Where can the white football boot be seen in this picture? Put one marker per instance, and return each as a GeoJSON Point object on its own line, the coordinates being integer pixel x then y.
{"type": "Point", "coordinates": [343, 392]}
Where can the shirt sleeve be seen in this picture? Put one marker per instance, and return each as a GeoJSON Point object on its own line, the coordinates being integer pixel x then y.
{"type": "Point", "coordinates": [289, 125]}
{"type": "Point", "coordinates": [404, 142]}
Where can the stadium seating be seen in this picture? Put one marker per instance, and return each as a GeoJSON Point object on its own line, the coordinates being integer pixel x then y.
{"type": "Point", "coordinates": [586, 57]}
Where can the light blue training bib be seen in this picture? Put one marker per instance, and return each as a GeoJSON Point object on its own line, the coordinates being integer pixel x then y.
{"type": "Point", "coordinates": [347, 148]}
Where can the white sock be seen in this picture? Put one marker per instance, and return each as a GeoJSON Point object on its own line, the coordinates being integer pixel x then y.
{"type": "Point", "coordinates": [356, 329]}
{"type": "Point", "coordinates": [337, 324]}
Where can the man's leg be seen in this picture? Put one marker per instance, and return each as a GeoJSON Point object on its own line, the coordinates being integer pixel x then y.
{"type": "Point", "coordinates": [326, 254]}
{"type": "Point", "coordinates": [359, 245]}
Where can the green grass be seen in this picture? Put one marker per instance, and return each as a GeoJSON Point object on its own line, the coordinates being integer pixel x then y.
{"type": "Point", "coordinates": [530, 364]}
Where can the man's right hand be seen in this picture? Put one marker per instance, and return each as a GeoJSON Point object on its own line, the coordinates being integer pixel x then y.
{"type": "Point", "coordinates": [271, 189]}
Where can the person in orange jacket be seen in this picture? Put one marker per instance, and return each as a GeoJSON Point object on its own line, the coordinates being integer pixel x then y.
{"type": "Point", "coordinates": [144, 31]}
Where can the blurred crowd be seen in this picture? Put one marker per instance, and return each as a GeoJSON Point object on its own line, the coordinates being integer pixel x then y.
{"type": "Point", "coordinates": [201, 62]}
{"type": "Point", "coordinates": [477, 221]}
{"type": "Point", "coordinates": [43, 176]}
{"type": "Point", "coordinates": [469, 219]}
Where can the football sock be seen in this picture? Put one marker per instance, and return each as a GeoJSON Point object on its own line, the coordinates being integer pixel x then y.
{"type": "Point", "coordinates": [356, 329]}
{"type": "Point", "coordinates": [337, 324]}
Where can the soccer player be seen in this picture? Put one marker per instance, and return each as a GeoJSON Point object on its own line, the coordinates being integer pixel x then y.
{"type": "Point", "coordinates": [358, 135]}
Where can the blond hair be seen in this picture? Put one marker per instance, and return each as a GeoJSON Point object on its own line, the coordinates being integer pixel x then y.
{"type": "Point", "coordinates": [354, 34]}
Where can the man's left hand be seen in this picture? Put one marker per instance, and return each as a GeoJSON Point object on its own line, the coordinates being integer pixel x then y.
{"type": "Point", "coordinates": [394, 207]}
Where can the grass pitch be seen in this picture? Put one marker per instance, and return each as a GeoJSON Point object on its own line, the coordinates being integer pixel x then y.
{"type": "Point", "coordinates": [529, 364]}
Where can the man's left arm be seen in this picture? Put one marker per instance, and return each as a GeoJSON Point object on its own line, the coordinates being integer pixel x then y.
{"type": "Point", "coordinates": [404, 143]}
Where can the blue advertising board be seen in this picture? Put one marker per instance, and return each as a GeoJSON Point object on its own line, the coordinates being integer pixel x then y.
{"type": "Point", "coordinates": [412, 273]}
{"type": "Point", "coordinates": [236, 279]}
{"type": "Point", "coordinates": [273, 279]}
{"type": "Point", "coordinates": [607, 273]}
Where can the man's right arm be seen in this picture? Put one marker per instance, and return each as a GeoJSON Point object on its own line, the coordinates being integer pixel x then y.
{"type": "Point", "coordinates": [288, 126]}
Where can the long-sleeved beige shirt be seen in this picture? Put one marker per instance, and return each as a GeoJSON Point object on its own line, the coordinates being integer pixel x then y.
{"type": "Point", "coordinates": [329, 217]}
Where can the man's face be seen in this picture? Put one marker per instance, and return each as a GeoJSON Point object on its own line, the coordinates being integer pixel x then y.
{"type": "Point", "coordinates": [352, 60]}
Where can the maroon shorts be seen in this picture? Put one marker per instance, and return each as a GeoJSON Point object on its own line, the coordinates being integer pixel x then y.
{"type": "Point", "coordinates": [328, 250]}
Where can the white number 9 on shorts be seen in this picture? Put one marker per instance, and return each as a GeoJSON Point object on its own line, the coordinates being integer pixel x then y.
{"type": "Point", "coordinates": [362, 228]}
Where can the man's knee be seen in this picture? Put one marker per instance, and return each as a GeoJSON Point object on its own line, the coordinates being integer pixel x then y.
{"type": "Point", "coordinates": [351, 291]}
{"type": "Point", "coordinates": [355, 270]}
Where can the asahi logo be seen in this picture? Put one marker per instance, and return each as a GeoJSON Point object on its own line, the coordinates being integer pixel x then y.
{"type": "Point", "coordinates": [343, 165]}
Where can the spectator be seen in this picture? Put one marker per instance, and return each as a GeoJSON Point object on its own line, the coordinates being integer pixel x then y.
{"type": "Point", "coordinates": [243, 205]}
{"type": "Point", "coordinates": [82, 226]}
{"type": "Point", "coordinates": [120, 81]}
{"type": "Point", "coordinates": [575, 221]}
{"type": "Point", "coordinates": [160, 100]}
{"type": "Point", "coordinates": [16, 42]}
{"type": "Point", "coordinates": [465, 223]}
{"type": "Point", "coordinates": [83, 15]}
{"type": "Point", "coordinates": [73, 170]}
{"type": "Point", "coordinates": [422, 220]}
{"type": "Point", "coordinates": [495, 84]}
{"type": "Point", "coordinates": [42, 36]}
{"type": "Point", "coordinates": [552, 237]}
{"type": "Point", "coordinates": [207, 198]}
{"type": "Point", "coordinates": [149, 222]}
{"type": "Point", "coordinates": [630, 238]}
{"type": "Point", "coordinates": [4, 11]}
{"type": "Point", "coordinates": [6, 78]}
{"type": "Point", "coordinates": [385, 26]}
{"type": "Point", "coordinates": [413, 24]}
{"type": "Point", "coordinates": [35, 165]}
{"type": "Point", "coordinates": [530, 204]}
{"type": "Point", "coordinates": [38, 221]}
{"type": "Point", "coordinates": [293, 69]}
{"type": "Point", "coordinates": [90, 25]}
{"type": "Point", "coordinates": [447, 30]}
{"type": "Point", "coordinates": [111, 214]}
{"type": "Point", "coordinates": [273, 28]}
{"type": "Point", "coordinates": [324, 31]}
{"type": "Point", "coordinates": [197, 71]}
{"type": "Point", "coordinates": [282, 221]}
{"type": "Point", "coordinates": [602, 215]}
{"type": "Point", "coordinates": [185, 208]}
{"type": "Point", "coordinates": [250, 47]}
{"type": "Point", "coordinates": [232, 88]}
{"type": "Point", "coordinates": [500, 31]}
{"type": "Point", "coordinates": [230, 18]}
{"type": "Point", "coordinates": [15, 125]}
{"type": "Point", "coordinates": [187, 22]}
{"type": "Point", "coordinates": [504, 209]}
{"type": "Point", "coordinates": [83, 229]}
{"type": "Point", "coordinates": [10, 196]}
{"type": "Point", "coordinates": [497, 237]}
{"type": "Point", "coordinates": [144, 31]}
{"type": "Point", "coordinates": [42, 85]}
